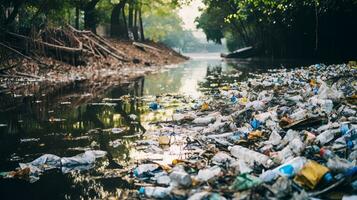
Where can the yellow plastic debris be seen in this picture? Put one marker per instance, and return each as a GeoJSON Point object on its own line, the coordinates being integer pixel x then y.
{"type": "Point", "coordinates": [312, 83]}
{"type": "Point", "coordinates": [177, 161]}
{"type": "Point", "coordinates": [243, 100]}
{"type": "Point", "coordinates": [255, 134]}
{"type": "Point", "coordinates": [164, 140]}
{"type": "Point", "coordinates": [352, 64]}
{"type": "Point", "coordinates": [204, 106]}
{"type": "Point", "coordinates": [311, 174]}
{"type": "Point", "coordinates": [166, 167]}
{"type": "Point", "coordinates": [226, 87]}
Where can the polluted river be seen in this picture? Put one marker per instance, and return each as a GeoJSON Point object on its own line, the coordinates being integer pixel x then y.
{"type": "Point", "coordinates": [204, 129]}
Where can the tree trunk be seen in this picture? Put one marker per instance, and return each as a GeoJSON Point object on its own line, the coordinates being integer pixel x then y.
{"type": "Point", "coordinates": [89, 16]}
{"type": "Point", "coordinates": [15, 11]}
{"type": "Point", "coordinates": [131, 20]}
{"type": "Point", "coordinates": [316, 27]}
{"type": "Point", "coordinates": [135, 25]}
{"type": "Point", "coordinates": [131, 14]}
{"type": "Point", "coordinates": [117, 21]}
{"type": "Point", "coordinates": [142, 37]}
{"type": "Point", "coordinates": [77, 17]}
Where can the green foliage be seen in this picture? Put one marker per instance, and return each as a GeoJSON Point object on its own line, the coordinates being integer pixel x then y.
{"type": "Point", "coordinates": [162, 24]}
{"type": "Point", "coordinates": [280, 27]}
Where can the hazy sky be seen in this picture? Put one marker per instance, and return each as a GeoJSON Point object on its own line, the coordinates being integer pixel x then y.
{"type": "Point", "coordinates": [189, 14]}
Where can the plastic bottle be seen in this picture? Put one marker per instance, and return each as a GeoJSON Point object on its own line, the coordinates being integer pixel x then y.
{"type": "Point", "coordinates": [344, 128]}
{"type": "Point", "coordinates": [338, 164]}
{"type": "Point", "coordinates": [288, 169]}
{"type": "Point", "coordinates": [182, 178]}
{"type": "Point", "coordinates": [238, 136]}
{"type": "Point", "coordinates": [209, 173]}
{"type": "Point", "coordinates": [326, 153]}
{"type": "Point", "coordinates": [155, 192]}
{"type": "Point", "coordinates": [351, 171]}
{"type": "Point", "coordinates": [350, 144]}
{"type": "Point", "coordinates": [204, 120]}
{"type": "Point", "coordinates": [251, 156]}
{"type": "Point", "coordinates": [145, 168]}
{"type": "Point", "coordinates": [234, 99]}
{"type": "Point", "coordinates": [327, 136]}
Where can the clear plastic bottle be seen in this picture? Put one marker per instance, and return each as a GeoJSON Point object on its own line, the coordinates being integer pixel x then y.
{"type": "Point", "coordinates": [155, 192]}
{"type": "Point", "coordinates": [251, 156]}
{"type": "Point", "coordinates": [288, 169]}
{"type": "Point", "coordinates": [327, 136]}
{"type": "Point", "coordinates": [181, 178]}
{"type": "Point", "coordinates": [145, 168]}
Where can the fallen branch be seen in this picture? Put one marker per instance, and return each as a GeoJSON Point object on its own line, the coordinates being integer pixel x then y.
{"type": "Point", "coordinates": [15, 51]}
{"type": "Point", "coordinates": [48, 45]}
{"type": "Point", "coordinates": [21, 54]}
{"type": "Point", "coordinates": [98, 38]}
{"type": "Point", "coordinates": [28, 75]}
{"type": "Point", "coordinates": [143, 46]}
{"type": "Point", "coordinates": [108, 45]}
{"type": "Point", "coordinates": [105, 49]}
{"type": "Point", "coordinates": [313, 194]}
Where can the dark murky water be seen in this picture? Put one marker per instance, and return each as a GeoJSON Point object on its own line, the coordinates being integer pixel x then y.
{"type": "Point", "coordinates": [76, 118]}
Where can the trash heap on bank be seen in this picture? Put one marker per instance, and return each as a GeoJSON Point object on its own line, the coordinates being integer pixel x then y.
{"type": "Point", "coordinates": [282, 134]}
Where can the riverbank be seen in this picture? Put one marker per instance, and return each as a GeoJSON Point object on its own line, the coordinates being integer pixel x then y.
{"type": "Point", "coordinates": [142, 58]}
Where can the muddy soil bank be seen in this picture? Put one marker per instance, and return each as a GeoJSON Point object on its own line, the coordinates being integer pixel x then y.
{"type": "Point", "coordinates": [28, 77]}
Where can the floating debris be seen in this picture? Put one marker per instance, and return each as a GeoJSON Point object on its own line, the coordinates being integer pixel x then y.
{"type": "Point", "coordinates": [29, 140]}
{"type": "Point", "coordinates": [32, 170]}
{"type": "Point", "coordinates": [291, 131]}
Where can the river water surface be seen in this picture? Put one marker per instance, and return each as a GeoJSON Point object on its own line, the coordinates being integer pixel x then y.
{"type": "Point", "coordinates": [67, 122]}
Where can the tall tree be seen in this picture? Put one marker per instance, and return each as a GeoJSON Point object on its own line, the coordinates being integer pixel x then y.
{"type": "Point", "coordinates": [90, 21]}
{"type": "Point", "coordinates": [10, 10]}
{"type": "Point", "coordinates": [118, 25]}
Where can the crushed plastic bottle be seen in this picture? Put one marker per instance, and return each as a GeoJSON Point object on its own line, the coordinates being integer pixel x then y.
{"type": "Point", "coordinates": [327, 136]}
{"type": "Point", "coordinates": [209, 173]}
{"type": "Point", "coordinates": [204, 120]}
{"type": "Point", "coordinates": [155, 192]}
{"type": "Point", "coordinates": [251, 156]}
{"type": "Point", "coordinates": [145, 168]}
{"type": "Point", "coordinates": [288, 169]}
{"type": "Point", "coordinates": [181, 178]}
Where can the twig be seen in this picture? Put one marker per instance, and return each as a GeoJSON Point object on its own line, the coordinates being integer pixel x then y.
{"type": "Point", "coordinates": [105, 49]}
{"type": "Point", "coordinates": [312, 194]}
{"type": "Point", "coordinates": [141, 45]}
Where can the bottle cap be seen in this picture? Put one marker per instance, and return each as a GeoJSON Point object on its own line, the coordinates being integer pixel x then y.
{"type": "Point", "coordinates": [322, 152]}
{"type": "Point", "coordinates": [344, 128]}
{"type": "Point", "coordinates": [136, 173]}
{"type": "Point", "coordinates": [328, 177]}
{"type": "Point", "coordinates": [349, 144]}
{"type": "Point", "coordinates": [142, 190]}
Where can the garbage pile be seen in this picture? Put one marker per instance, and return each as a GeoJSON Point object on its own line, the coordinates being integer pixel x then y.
{"type": "Point", "coordinates": [31, 171]}
{"type": "Point", "coordinates": [281, 134]}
